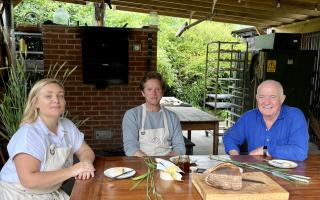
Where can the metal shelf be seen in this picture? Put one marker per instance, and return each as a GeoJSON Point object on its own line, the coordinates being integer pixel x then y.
{"type": "Point", "coordinates": [219, 105]}
{"type": "Point", "coordinates": [222, 105]}
{"type": "Point", "coordinates": [34, 52]}
{"type": "Point", "coordinates": [234, 114]}
{"type": "Point", "coordinates": [230, 79]}
{"type": "Point", "coordinates": [220, 96]}
{"type": "Point", "coordinates": [231, 60]}
{"type": "Point", "coordinates": [226, 51]}
{"type": "Point", "coordinates": [225, 74]}
{"type": "Point", "coordinates": [28, 34]}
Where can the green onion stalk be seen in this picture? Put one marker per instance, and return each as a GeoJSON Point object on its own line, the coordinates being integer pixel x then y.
{"type": "Point", "coordinates": [149, 176]}
{"type": "Point", "coordinates": [278, 173]}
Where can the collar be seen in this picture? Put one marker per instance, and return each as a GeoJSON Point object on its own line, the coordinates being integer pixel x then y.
{"type": "Point", "coordinates": [283, 112]}
{"type": "Point", "coordinates": [60, 131]}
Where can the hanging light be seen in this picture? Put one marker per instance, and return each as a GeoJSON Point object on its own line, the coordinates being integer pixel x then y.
{"type": "Point", "coordinates": [316, 7]}
{"type": "Point", "coordinates": [278, 4]}
{"type": "Point", "coordinates": [239, 1]}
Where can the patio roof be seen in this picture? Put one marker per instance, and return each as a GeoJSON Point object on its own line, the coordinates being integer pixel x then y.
{"type": "Point", "coordinates": [258, 13]}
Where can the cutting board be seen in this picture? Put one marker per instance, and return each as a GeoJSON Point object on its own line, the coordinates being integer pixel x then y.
{"type": "Point", "coordinates": [271, 190]}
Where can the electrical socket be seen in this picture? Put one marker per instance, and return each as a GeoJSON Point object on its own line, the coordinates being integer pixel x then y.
{"type": "Point", "coordinates": [103, 134]}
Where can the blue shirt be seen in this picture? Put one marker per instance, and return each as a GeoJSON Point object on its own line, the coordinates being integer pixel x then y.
{"type": "Point", "coordinates": [286, 139]}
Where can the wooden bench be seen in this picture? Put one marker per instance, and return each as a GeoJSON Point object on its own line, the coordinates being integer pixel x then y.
{"type": "Point", "coordinates": [189, 146]}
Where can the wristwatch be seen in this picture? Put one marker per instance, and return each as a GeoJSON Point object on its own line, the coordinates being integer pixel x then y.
{"type": "Point", "coordinates": [265, 151]}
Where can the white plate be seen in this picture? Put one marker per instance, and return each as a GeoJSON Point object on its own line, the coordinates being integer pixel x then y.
{"type": "Point", "coordinates": [176, 158]}
{"type": "Point", "coordinates": [114, 171]}
{"type": "Point", "coordinates": [282, 163]}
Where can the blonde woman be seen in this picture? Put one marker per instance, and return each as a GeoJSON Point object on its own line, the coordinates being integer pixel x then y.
{"type": "Point", "coordinates": [41, 151]}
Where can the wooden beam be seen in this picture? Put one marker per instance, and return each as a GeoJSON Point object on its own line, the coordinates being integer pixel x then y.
{"type": "Point", "coordinates": [308, 26]}
{"type": "Point", "coordinates": [185, 15]}
{"type": "Point", "coordinates": [235, 17]}
{"type": "Point", "coordinates": [250, 11]}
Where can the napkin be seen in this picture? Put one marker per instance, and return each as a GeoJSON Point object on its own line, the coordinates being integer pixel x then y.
{"type": "Point", "coordinates": [168, 170]}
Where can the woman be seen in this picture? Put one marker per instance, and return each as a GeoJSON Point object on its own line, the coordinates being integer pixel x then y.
{"type": "Point", "coordinates": [41, 151]}
{"type": "Point", "coordinates": [150, 129]}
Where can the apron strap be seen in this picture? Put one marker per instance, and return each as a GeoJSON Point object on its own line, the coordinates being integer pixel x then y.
{"type": "Point", "coordinates": [144, 114]}
{"type": "Point", "coordinates": [165, 121]}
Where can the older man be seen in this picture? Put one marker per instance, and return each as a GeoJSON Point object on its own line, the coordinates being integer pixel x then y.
{"type": "Point", "coordinates": [272, 129]}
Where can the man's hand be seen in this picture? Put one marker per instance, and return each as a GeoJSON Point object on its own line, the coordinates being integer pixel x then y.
{"type": "Point", "coordinates": [257, 152]}
{"type": "Point", "coordinates": [139, 153]}
{"type": "Point", "coordinates": [172, 153]}
{"type": "Point", "coordinates": [233, 152]}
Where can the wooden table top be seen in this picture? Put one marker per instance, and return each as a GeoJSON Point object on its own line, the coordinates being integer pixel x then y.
{"type": "Point", "coordinates": [101, 188]}
{"type": "Point", "coordinates": [192, 114]}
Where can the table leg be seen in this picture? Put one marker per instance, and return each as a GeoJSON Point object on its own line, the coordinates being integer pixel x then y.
{"type": "Point", "coordinates": [189, 135]}
{"type": "Point", "coordinates": [215, 138]}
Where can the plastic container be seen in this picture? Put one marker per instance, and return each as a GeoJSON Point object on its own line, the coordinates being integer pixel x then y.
{"type": "Point", "coordinates": [61, 16]}
{"type": "Point", "coordinates": [153, 19]}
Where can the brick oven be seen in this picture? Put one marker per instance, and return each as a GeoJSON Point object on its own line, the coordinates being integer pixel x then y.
{"type": "Point", "coordinates": [105, 107]}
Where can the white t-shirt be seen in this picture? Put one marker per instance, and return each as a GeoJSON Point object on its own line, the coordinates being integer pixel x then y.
{"type": "Point", "coordinates": [33, 140]}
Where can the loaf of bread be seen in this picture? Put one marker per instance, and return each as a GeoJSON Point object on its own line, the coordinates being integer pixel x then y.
{"type": "Point", "coordinates": [224, 176]}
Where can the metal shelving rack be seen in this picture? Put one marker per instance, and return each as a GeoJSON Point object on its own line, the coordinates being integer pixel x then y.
{"type": "Point", "coordinates": [225, 87]}
{"type": "Point", "coordinates": [34, 54]}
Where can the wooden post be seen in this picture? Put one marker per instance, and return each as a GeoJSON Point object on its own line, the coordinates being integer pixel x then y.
{"type": "Point", "coordinates": [99, 12]}
{"type": "Point", "coordinates": [7, 48]}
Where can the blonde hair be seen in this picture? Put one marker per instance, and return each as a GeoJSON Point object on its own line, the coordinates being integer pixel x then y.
{"type": "Point", "coordinates": [31, 113]}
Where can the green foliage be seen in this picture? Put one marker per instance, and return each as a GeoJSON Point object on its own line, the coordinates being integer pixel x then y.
{"type": "Point", "coordinates": [16, 94]}
{"type": "Point", "coordinates": [149, 177]}
{"type": "Point", "coordinates": [14, 99]}
{"type": "Point", "coordinates": [182, 60]}
{"type": "Point", "coordinates": [44, 10]}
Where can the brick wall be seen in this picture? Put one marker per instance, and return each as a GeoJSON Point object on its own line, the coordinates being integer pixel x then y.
{"type": "Point", "coordinates": [104, 107]}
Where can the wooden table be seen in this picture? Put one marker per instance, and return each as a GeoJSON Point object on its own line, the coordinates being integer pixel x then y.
{"type": "Point", "coordinates": [192, 118]}
{"type": "Point", "coordinates": [100, 188]}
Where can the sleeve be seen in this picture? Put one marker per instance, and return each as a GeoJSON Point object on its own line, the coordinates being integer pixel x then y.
{"type": "Point", "coordinates": [178, 144]}
{"type": "Point", "coordinates": [235, 136]}
{"type": "Point", "coordinates": [296, 147]}
{"type": "Point", "coordinates": [27, 140]}
{"type": "Point", "coordinates": [75, 135]}
{"type": "Point", "coordinates": [130, 132]}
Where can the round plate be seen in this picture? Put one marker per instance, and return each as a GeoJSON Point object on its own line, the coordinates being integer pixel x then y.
{"type": "Point", "coordinates": [282, 163]}
{"type": "Point", "coordinates": [176, 158]}
{"type": "Point", "coordinates": [115, 171]}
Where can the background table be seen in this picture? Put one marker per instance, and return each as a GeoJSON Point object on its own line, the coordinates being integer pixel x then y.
{"type": "Point", "coordinates": [192, 118]}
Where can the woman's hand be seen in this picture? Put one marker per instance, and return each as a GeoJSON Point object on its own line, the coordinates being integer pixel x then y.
{"type": "Point", "coordinates": [82, 170]}
{"type": "Point", "coordinates": [85, 175]}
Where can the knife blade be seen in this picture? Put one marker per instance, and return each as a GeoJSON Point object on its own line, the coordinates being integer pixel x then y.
{"type": "Point", "coordinates": [122, 174]}
{"type": "Point", "coordinates": [253, 181]}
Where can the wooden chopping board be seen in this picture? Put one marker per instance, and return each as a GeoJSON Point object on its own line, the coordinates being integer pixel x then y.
{"type": "Point", "coordinates": [271, 190]}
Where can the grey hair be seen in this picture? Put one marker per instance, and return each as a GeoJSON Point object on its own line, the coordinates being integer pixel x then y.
{"type": "Point", "coordinates": [273, 82]}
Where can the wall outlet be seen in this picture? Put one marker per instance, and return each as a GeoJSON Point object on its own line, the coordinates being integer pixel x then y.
{"type": "Point", "coordinates": [103, 134]}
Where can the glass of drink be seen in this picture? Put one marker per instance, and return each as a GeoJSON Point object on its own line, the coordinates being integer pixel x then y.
{"type": "Point", "coordinates": [184, 163]}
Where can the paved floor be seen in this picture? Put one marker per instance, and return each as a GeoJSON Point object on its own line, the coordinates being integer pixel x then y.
{"type": "Point", "coordinates": [204, 144]}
